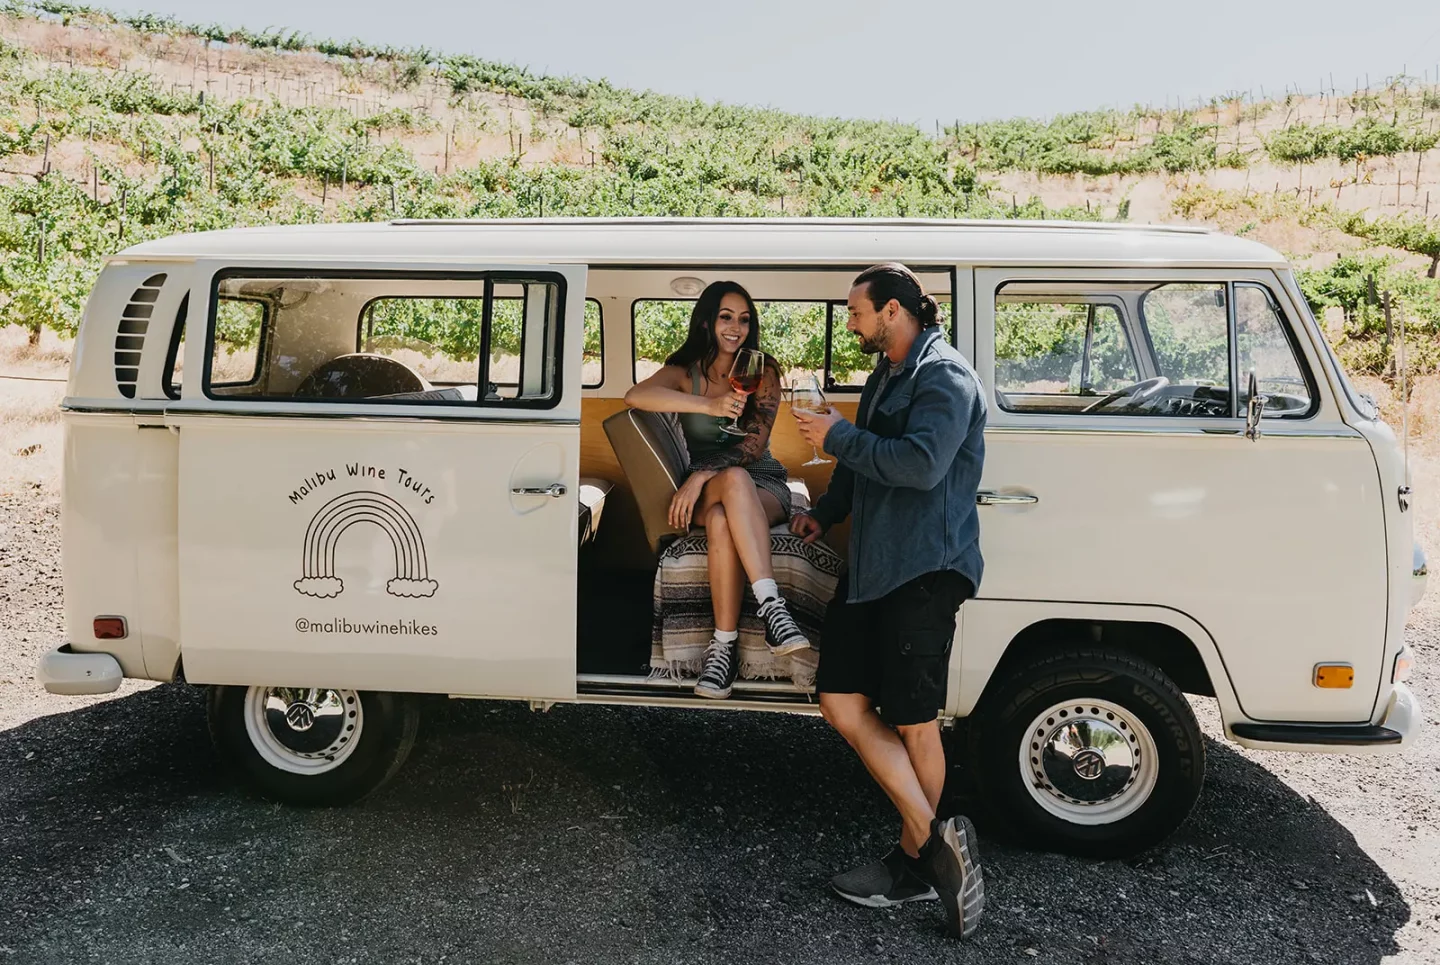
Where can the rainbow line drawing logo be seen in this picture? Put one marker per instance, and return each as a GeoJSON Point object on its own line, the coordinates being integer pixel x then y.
{"type": "Point", "coordinates": [412, 577]}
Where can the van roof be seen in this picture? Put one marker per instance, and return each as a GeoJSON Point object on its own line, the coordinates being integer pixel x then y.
{"type": "Point", "coordinates": [720, 242]}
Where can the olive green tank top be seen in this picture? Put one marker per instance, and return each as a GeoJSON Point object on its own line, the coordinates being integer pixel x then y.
{"type": "Point", "coordinates": [702, 432]}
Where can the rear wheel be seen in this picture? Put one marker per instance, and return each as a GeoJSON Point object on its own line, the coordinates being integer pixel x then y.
{"type": "Point", "coordinates": [313, 745]}
{"type": "Point", "coordinates": [1091, 753]}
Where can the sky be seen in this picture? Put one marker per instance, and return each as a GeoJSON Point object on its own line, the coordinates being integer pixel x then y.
{"type": "Point", "coordinates": [910, 60]}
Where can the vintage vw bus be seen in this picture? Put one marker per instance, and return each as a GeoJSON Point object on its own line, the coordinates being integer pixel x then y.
{"type": "Point", "coordinates": [324, 469]}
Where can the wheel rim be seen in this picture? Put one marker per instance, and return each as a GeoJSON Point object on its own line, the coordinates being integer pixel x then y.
{"type": "Point", "coordinates": [303, 730]}
{"type": "Point", "coordinates": [1089, 761]}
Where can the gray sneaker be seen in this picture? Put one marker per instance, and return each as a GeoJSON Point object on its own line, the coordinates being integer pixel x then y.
{"type": "Point", "coordinates": [950, 862]}
{"type": "Point", "coordinates": [883, 883]}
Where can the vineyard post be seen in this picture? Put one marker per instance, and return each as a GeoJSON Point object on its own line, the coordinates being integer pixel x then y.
{"type": "Point", "coordinates": [1389, 334]}
{"type": "Point", "coordinates": [325, 189]}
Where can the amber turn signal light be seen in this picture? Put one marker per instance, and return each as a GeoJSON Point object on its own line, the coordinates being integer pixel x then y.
{"type": "Point", "coordinates": [110, 628]}
{"type": "Point", "coordinates": [1339, 676]}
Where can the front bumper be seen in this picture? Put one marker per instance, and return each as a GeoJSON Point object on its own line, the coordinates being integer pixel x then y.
{"type": "Point", "coordinates": [63, 671]}
{"type": "Point", "coordinates": [1395, 731]}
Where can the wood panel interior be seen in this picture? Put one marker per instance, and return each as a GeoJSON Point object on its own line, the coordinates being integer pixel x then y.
{"type": "Point", "coordinates": [621, 539]}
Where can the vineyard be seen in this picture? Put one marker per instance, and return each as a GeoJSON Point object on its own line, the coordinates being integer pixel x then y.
{"type": "Point", "coordinates": [117, 129]}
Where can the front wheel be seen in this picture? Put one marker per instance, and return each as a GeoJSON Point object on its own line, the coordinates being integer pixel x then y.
{"type": "Point", "coordinates": [1091, 753]}
{"type": "Point", "coordinates": [313, 745]}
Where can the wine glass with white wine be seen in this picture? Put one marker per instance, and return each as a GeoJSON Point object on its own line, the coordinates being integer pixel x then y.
{"type": "Point", "coordinates": [806, 396]}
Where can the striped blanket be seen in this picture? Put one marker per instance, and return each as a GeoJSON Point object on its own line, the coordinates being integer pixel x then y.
{"type": "Point", "coordinates": [806, 573]}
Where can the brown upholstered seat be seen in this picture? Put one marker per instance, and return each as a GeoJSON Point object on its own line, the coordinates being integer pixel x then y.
{"type": "Point", "coordinates": [652, 452]}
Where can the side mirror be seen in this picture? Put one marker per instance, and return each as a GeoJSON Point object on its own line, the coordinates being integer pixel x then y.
{"type": "Point", "coordinates": [1254, 408]}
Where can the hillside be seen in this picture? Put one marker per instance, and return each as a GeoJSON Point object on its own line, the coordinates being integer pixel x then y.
{"type": "Point", "coordinates": [114, 130]}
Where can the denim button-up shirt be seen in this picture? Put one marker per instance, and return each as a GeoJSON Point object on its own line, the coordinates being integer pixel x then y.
{"type": "Point", "coordinates": [908, 471]}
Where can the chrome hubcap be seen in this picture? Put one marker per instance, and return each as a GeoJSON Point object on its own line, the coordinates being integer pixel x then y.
{"type": "Point", "coordinates": [1089, 761]}
{"type": "Point", "coordinates": [303, 730]}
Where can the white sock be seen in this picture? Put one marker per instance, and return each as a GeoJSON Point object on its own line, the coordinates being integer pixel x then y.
{"type": "Point", "coordinates": [765, 590]}
{"type": "Point", "coordinates": [727, 636]}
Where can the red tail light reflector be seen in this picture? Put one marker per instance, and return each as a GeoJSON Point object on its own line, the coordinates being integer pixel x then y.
{"type": "Point", "coordinates": [110, 628]}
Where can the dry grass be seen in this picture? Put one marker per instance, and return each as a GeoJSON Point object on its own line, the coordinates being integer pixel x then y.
{"type": "Point", "coordinates": [30, 429]}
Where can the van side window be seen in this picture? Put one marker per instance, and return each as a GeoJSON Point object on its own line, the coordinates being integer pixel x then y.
{"type": "Point", "coordinates": [383, 337]}
{"type": "Point", "coordinates": [803, 336]}
{"type": "Point", "coordinates": [174, 373]}
{"type": "Point", "coordinates": [1262, 346]}
{"type": "Point", "coordinates": [592, 363]}
{"type": "Point", "coordinates": [1075, 346]}
{"type": "Point", "coordinates": [1120, 348]}
{"type": "Point", "coordinates": [1188, 329]}
{"type": "Point", "coordinates": [239, 325]}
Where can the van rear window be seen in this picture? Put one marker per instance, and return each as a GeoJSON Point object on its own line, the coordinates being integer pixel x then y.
{"type": "Point", "coordinates": [384, 337]}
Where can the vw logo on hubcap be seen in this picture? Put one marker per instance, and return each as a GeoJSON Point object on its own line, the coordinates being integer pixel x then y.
{"type": "Point", "coordinates": [1089, 764]}
{"type": "Point", "coordinates": [300, 717]}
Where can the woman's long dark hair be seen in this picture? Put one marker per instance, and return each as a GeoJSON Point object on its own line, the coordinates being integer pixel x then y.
{"type": "Point", "coordinates": [701, 345]}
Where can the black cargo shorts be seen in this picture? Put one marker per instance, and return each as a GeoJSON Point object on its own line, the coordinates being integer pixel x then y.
{"type": "Point", "coordinates": [894, 650]}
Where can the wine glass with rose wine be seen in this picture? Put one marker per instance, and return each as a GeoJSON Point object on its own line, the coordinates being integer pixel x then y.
{"type": "Point", "coordinates": [805, 396]}
{"type": "Point", "coordinates": [745, 374]}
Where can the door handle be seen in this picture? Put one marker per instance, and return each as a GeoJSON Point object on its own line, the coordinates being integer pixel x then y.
{"type": "Point", "coordinates": [987, 498]}
{"type": "Point", "coordinates": [554, 490]}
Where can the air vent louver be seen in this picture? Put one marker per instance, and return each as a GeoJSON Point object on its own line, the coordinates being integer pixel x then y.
{"type": "Point", "coordinates": [130, 337]}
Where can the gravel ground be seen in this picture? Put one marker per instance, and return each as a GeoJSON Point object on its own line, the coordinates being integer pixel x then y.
{"type": "Point", "coordinates": [594, 834]}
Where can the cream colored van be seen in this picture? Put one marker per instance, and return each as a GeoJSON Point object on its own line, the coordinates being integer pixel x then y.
{"type": "Point", "coordinates": [324, 469]}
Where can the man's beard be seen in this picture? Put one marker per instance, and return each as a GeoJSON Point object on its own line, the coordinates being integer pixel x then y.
{"type": "Point", "coordinates": [878, 342]}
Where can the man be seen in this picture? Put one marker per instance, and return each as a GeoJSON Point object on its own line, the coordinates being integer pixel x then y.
{"type": "Point", "coordinates": [907, 470]}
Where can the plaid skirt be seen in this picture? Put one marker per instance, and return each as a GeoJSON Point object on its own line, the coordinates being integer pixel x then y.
{"type": "Point", "coordinates": [770, 477]}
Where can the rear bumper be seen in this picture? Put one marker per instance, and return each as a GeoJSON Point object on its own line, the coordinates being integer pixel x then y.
{"type": "Point", "coordinates": [63, 671]}
{"type": "Point", "coordinates": [1395, 731]}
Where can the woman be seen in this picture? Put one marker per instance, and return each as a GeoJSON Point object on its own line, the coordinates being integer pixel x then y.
{"type": "Point", "coordinates": [735, 489]}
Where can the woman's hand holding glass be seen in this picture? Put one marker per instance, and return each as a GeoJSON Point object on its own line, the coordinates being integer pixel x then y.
{"type": "Point", "coordinates": [727, 406]}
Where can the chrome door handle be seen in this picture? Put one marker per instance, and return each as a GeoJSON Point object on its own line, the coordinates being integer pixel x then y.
{"type": "Point", "coordinates": [554, 490]}
{"type": "Point", "coordinates": [986, 498]}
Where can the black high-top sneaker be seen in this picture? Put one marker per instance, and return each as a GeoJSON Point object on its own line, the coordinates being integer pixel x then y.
{"type": "Point", "coordinates": [883, 883]}
{"type": "Point", "coordinates": [782, 635]}
{"type": "Point", "coordinates": [717, 675]}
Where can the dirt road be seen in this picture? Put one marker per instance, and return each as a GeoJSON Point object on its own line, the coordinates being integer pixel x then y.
{"type": "Point", "coordinates": [626, 835]}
